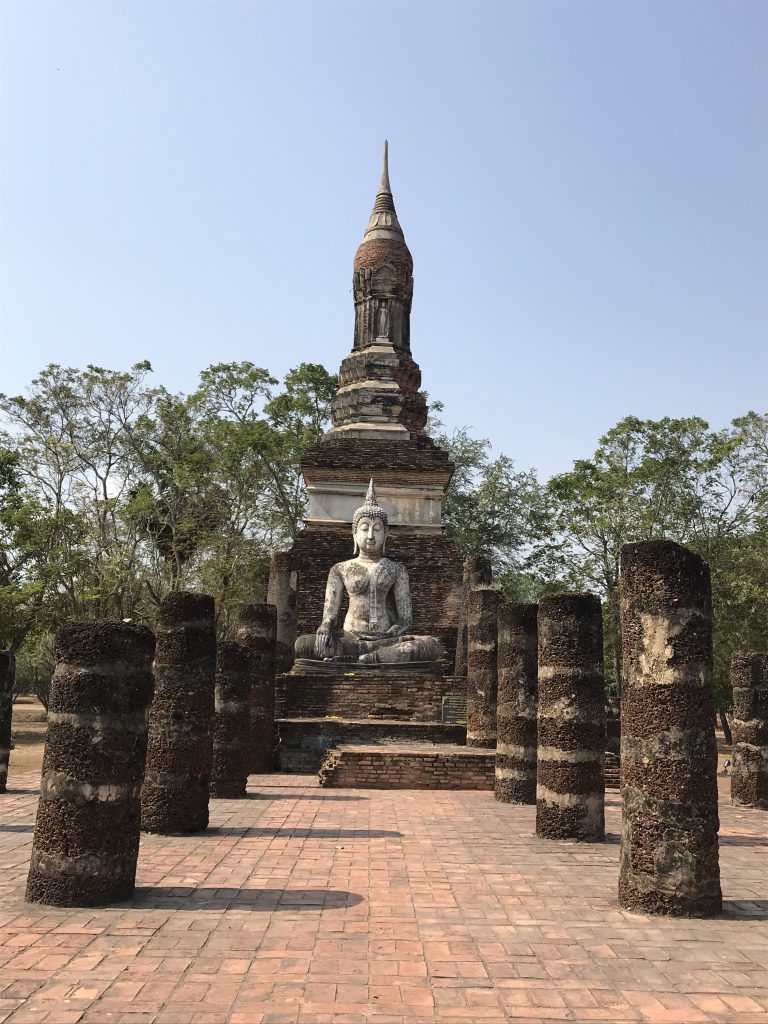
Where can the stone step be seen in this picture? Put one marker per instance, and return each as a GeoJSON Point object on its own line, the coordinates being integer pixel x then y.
{"type": "Point", "coordinates": [612, 770]}
{"type": "Point", "coordinates": [304, 741]}
{"type": "Point", "coordinates": [408, 766]}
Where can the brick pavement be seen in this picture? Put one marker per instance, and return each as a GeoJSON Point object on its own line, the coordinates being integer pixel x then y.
{"type": "Point", "coordinates": [304, 905]}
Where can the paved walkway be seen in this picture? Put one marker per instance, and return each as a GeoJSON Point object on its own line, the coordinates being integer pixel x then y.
{"type": "Point", "coordinates": [306, 905]}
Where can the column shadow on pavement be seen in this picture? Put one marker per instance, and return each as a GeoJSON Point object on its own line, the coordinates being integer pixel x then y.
{"type": "Point", "coordinates": [750, 910]}
{"type": "Point", "coordinates": [259, 900]}
{"type": "Point", "coordinates": [254, 832]}
{"type": "Point", "coordinates": [288, 795]}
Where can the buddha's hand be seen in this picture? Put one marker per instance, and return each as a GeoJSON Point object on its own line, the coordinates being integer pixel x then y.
{"type": "Point", "coordinates": [322, 641]}
{"type": "Point", "coordinates": [396, 630]}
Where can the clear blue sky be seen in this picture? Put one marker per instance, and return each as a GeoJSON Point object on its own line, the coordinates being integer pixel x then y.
{"type": "Point", "coordinates": [583, 186]}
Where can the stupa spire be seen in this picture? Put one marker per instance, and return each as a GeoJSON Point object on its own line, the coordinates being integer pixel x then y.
{"type": "Point", "coordinates": [379, 381]}
{"type": "Point", "coordinates": [383, 222]}
{"type": "Point", "coordinates": [384, 186]}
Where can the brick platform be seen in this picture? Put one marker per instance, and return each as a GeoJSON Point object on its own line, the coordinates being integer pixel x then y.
{"type": "Point", "coordinates": [304, 742]}
{"type": "Point", "coordinates": [320, 711]}
{"type": "Point", "coordinates": [424, 766]}
{"type": "Point", "coordinates": [409, 694]}
{"type": "Point", "coordinates": [311, 906]}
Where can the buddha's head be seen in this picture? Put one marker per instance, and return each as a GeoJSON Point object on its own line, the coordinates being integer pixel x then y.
{"type": "Point", "coordinates": [369, 525]}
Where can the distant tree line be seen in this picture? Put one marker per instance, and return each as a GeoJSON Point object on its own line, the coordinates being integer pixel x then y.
{"type": "Point", "coordinates": [114, 491]}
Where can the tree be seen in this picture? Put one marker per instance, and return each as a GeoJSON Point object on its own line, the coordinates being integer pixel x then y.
{"type": "Point", "coordinates": [69, 438]}
{"type": "Point", "coordinates": [652, 479]}
{"type": "Point", "coordinates": [40, 556]}
{"type": "Point", "coordinates": [492, 509]}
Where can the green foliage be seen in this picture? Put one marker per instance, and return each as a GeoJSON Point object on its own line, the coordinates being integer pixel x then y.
{"type": "Point", "coordinates": [112, 491]}
{"type": "Point", "coordinates": [672, 478]}
{"type": "Point", "coordinates": [647, 479]}
{"type": "Point", "coordinates": [492, 509]}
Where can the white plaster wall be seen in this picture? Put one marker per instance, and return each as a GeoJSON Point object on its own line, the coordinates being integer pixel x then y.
{"type": "Point", "coordinates": [415, 506]}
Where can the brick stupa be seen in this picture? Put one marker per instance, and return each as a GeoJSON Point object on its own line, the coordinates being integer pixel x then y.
{"type": "Point", "coordinates": [377, 431]}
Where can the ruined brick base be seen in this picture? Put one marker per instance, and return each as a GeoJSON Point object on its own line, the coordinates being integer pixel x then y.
{"type": "Point", "coordinates": [408, 767]}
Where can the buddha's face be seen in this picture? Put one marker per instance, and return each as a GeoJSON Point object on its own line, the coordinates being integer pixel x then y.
{"type": "Point", "coordinates": [370, 535]}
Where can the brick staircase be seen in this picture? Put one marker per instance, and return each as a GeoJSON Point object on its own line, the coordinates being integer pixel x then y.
{"type": "Point", "coordinates": [612, 771]}
{"type": "Point", "coordinates": [305, 741]}
{"type": "Point", "coordinates": [320, 710]}
{"type": "Point", "coordinates": [408, 766]}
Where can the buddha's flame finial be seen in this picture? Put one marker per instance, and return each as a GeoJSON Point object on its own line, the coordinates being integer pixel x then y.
{"type": "Point", "coordinates": [370, 507]}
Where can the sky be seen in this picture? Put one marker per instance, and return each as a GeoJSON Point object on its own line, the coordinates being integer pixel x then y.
{"type": "Point", "coordinates": [583, 187]}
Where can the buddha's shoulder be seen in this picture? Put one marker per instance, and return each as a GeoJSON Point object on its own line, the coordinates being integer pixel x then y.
{"type": "Point", "coordinates": [393, 569]}
{"type": "Point", "coordinates": [342, 568]}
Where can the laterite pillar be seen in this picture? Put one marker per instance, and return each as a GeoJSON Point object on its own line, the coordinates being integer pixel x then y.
{"type": "Point", "coordinates": [669, 854]}
{"type": "Point", "coordinates": [570, 788]}
{"type": "Point", "coordinates": [516, 707]}
{"type": "Point", "coordinates": [86, 840]}
{"type": "Point", "coordinates": [177, 783]}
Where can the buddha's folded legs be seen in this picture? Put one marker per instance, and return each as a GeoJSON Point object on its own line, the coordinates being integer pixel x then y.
{"type": "Point", "coordinates": [403, 651]}
{"type": "Point", "coordinates": [389, 650]}
{"type": "Point", "coordinates": [342, 647]}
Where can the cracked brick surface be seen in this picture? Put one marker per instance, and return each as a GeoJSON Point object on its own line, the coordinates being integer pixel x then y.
{"type": "Point", "coordinates": [306, 906]}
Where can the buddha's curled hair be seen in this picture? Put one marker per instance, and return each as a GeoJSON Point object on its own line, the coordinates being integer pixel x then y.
{"type": "Point", "coordinates": [370, 507]}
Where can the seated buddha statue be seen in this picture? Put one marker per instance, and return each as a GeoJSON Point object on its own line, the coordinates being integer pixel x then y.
{"type": "Point", "coordinates": [378, 620]}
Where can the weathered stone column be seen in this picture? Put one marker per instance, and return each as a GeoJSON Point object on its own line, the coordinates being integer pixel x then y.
{"type": "Point", "coordinates": [231, 722]}
{"type": "Point", "coordinates": [257, 629]}
{"type": "Point", "coordinates": [482, 681]}
{"type": "Point", "coordinates": [516, 708]}
{"type": "Point", "coordinates": [570, 787]}
{"type": "Point", "coordinates": [86, 840]}
{"type": "Point", "coordinates": [749, 777]}
{"type": "Point", "coordinates": [281, 592]}
{"type": "Point", "coordinates": [477, 573]}
{"type": "Point", "coordinates": [176, 787]}
{"type": "Point", "coordinates": [7, 677]}
{"type": "Point", "coordinates": [669, 857]}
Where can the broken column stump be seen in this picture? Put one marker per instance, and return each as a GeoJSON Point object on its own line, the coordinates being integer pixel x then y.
{"type": "Point", "coordinates": [516, 705]}
{"type": "Point", "coordinates": [749, 776]}
{"type": "Point", "coordinates": [669, 855]}
{"type": "Point", "coordinates": [477, 573]}
{"type": "Point", "coordinates": [257, 630]}
{"type": "Point", "coordinates": [482, 681]}
{"type": "Point", "coordinates": [86, 840]}
{"type": "Point", "coordinates": [177, 783]}
{"type": "Point", "coordinates": [570, 789]}
{"type": "Point", "coordinates": [7, 678]}
{"type": "Point", "coordinates": [231, 721]}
